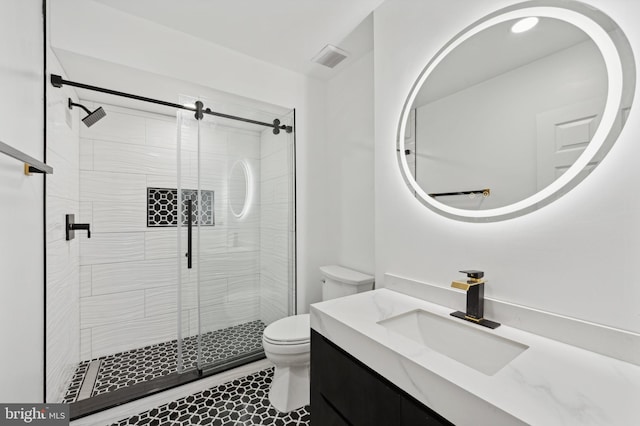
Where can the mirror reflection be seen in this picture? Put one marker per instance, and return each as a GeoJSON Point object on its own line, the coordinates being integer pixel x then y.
{"type": "Point", "coordinates": [516, 110]}
{"type": "Point", "coordinates": [505, 114]}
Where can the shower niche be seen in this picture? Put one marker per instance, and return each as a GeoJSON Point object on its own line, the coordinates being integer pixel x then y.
{"type": "Point", "coordinates": [174, 284]}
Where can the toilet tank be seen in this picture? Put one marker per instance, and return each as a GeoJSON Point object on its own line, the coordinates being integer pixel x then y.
{"type": "Point", "coordinates": [339, 281]}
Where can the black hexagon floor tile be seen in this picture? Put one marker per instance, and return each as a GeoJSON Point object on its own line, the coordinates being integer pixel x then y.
{"type": "Point", "coordinates": [241, 402]}
{"type": "Point", "coordinates": [139, 365]}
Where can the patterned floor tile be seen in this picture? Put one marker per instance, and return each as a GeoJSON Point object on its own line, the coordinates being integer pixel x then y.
{"type": "Point", "coordinates": [241, 402]}
{"type": "Point", "coordinates": [139, 365]}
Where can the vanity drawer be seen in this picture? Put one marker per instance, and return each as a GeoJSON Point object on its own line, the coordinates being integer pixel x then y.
{"type": "Point", "coordinates": [346, 392]}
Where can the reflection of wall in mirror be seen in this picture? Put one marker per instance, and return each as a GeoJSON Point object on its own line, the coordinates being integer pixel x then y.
{"type": "Point", "coordinates": [485, 135]}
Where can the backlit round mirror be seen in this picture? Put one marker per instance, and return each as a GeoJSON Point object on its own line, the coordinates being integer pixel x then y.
{"type": "Point", "coordinates": [239, 190]}
{"type": "Point", "coordinates": [516, 110]}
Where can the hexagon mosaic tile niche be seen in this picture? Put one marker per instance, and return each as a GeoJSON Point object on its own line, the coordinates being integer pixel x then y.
{"type": "Point", "coordinates": [162, 207]}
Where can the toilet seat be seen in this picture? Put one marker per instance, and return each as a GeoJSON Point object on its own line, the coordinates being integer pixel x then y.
{"type": "Point", "coordinates": [289, 331]}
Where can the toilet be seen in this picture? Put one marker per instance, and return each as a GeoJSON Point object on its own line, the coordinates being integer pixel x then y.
{"type": "Point", "coordinates": [287, 341]}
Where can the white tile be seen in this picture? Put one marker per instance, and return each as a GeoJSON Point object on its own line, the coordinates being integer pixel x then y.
{"type": "Point", "coordinates": [213, 169]}
{"type": "Point", "coordinates": [213, 239]}
{"type": "Point", "coordinates": [137, 275]}
{"type": "Point", "coordinates": [111, 247]}
{"type": "Point", "coordinates": [216, 317]}
{"type": "Point", "coordinates": [62, 328]}
{"type": "Point", "coordinates": [214, 140]}
{"type": "Point", "coordinates": [86, 212]}
{"type": "Point", "coordinates": [62, 261]}
{"type": "Point", "coordinates": [243, 287]}
{"type": "Point", "coordinates": [275, 217]}
{"type": "Point", "coordinates": [188, 134]}
{"type": "Point", "coordinates": [135, 159]}
{"type": "Point", "coordinates": [275, 190]}
{"type": "Point", "coordinates": [244, 145]}
{"type": "Point", "coordinates": [117, 127]}
{"type": "Point", "coordinates": [85, 281]}
{"type": "Point", "coordinates": [86, 154]}
{"type": "Point", "coordinates": [274, 165]}
{"type": "Point", "coordinates": [242, 237]}
{"type": "Point", "coordinates": [226, 265]}
{"type": "Point", "coordinates": [213, 291]}
{"type": "Point", "coordinates": [57, 209]}
{"type": "Point", "coordinates": [270, 143]}
{"type": "Point", "coordinates": [162, 243]}
{"type": "Point", "coordinates": [85, 343]}
{"type": "Point", "coordinates": [161, 300]}
{"type": "Point", "coordinates": [120, 217]}
{"type": "Point", "coordinates": [64, 182]}
{"type": "Point", "coordinates": [162, 133]}
{"type": "Point", "coordinates": [111, 308]}
{"type": "Point", "coordinates": [114, 338]}
{"type": "Point", "coordinates": [112, 187]}
{"type": "Point", "coordinates": [59, 134]}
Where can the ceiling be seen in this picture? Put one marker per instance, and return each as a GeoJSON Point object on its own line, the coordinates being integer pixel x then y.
{"type": "Point", "coordinates": [286, 33]}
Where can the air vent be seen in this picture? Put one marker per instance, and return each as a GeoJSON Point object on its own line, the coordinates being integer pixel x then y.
{"type": "Point", "coordinates": [330, 56]}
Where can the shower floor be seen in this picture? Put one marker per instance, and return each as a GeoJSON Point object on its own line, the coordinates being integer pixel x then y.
{"type": "Point", "coordinates": [140, 365]}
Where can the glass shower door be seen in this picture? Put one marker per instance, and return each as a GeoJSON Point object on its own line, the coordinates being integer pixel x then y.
{"type": "Point", "coordinates": [238, 180]}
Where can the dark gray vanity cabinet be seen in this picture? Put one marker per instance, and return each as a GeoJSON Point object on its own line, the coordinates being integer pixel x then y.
{"type": "Point", "coordinates": [346, 392]}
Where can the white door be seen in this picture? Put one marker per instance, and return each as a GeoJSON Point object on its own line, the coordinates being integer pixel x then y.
{"type": "Point", "coordinates": [562, 135]}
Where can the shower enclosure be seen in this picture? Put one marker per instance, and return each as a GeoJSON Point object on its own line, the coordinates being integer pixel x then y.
{"type": "Point", "coordinates": [192, 248]}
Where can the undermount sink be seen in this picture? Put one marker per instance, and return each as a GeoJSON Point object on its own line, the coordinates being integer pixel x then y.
{"type": "Point", "coordinates": [469, 344]}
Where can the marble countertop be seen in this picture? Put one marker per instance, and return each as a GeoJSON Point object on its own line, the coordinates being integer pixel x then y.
{"type": "Point", "coordinates": [550, 383]}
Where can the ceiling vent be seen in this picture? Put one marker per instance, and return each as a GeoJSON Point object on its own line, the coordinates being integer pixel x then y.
{"type": "Point", "coordinates": [330, 56]}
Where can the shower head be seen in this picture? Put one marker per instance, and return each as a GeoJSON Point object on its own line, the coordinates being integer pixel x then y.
{"type": "Point", "coordinates": [92, 117]}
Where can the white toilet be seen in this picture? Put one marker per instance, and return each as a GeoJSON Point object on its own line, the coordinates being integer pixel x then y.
{"type": "Point", "coordinates": [287, 341]}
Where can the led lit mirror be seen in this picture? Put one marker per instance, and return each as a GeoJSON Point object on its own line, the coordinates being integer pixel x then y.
{"type": "Point", "coordinates": [516, 110]}
{"type": "Point", "coordinates": [239, 182]}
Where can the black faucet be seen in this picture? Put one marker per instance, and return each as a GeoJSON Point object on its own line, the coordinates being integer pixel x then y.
{"type": "Point", "coordinates": [474, 286]}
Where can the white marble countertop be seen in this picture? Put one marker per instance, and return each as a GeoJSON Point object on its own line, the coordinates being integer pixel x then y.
{"type": "Point", "coordinates": [550, 383]}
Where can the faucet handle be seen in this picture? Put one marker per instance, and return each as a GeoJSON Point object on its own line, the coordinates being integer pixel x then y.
{"type": "Point", "coordinates": [472, 273]}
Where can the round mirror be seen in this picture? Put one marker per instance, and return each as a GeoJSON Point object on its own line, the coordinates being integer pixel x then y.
{"type": "Point", "coordinates": [239, 188]}
{"type": "Point", "coordinates": [516, 110]}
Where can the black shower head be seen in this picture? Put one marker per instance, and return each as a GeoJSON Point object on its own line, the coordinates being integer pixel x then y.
{"type": "Point", "coordinates": [92, 117]}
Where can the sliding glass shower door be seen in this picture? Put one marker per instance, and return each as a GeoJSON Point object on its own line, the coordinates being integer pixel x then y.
{"type": "Point", "coordinates": [235, 236]}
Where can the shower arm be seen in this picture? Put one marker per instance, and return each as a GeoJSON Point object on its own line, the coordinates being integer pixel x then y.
{"type": "Point", "coordinates": [58, 81]}
{"type": "Point", "coordinates": [71, 103]}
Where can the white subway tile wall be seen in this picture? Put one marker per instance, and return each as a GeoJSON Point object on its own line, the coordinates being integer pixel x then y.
{"type": "Point", "coordinates": [63, 331]}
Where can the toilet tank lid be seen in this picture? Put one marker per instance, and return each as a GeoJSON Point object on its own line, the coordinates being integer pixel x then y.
{"type": "Point", "coordinates": [345, 275]}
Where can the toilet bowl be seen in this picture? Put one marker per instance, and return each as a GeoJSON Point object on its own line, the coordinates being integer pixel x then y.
{"type": "Point", "coordinates": [287, 344]}
{"type": "Point", "coordinates": [287, 341]}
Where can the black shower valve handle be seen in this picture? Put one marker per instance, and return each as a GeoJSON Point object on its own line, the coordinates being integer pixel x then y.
{"type": "Point", "coordinates": [71, 227]}
{"type": "Point", "coordinates": [82, 227]}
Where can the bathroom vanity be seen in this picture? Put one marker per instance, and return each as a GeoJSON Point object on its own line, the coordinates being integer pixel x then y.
{"type": "Point", "coordinates": [384, 357]}
{"type": "Point", "coordinates": [345, 391]}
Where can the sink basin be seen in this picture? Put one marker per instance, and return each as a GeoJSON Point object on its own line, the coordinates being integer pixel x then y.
{"type": "Point", "coordinates": [469, 344]}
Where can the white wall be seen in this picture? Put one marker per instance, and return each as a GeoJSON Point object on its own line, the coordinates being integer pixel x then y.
{"type": "Point", "coordinates": [120, 38]}
{"type": "Point", "coordinates": [349, 173]}
{"type": "Point", "coordinates": [574, 257]}
{"type": "Point", "coordinates": [21, 203]}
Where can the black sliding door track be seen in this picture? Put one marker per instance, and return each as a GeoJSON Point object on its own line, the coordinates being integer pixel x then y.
{"type": "Point", "coordinates": [58, 81]}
